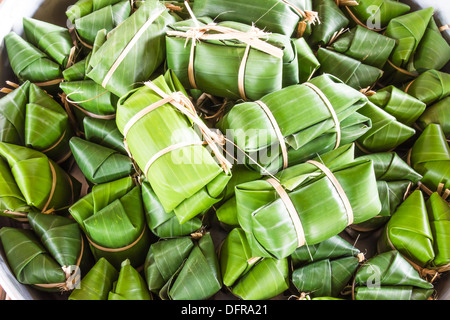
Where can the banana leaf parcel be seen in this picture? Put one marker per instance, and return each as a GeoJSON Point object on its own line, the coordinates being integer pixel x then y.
{"type": "Point", "coordinates": [374, 15]}
{"type": "Point", "coordinates": [30, 63]}
{"type": "Point", "coordinates": [351, 71]}
{"type": "Point", "coordinates": [82, 8]}
{"type": "Point", "coordinates": [386, 132]}
{"type": "Point", "coordinates": [325, 269]}
{"type": "Point", "coordinates": [30, 168]}
{"type": "Point", "coordinates": [249, 277]}
{"type": "Point", "coordinates": [161, 223]}
{"type": "Point", "coordinates": [389, 276]}
{"type": "Point", "coordinates": [294, 124]}
{"type": "Point", "coordinates": [394, 180]}
{"type": "Point", "coordinates": [107, 18]}
{"type": "Point", "coordinates": [438, 113]}
{"type": "Point", "coordinates": [355, 42]}
{"type": "Point", "coordinates": [430, 86]}
{"type": "Point", "coordinates": [47, 255]}
{"type": "Point", "coordinates": [430, 157]}
{"type": "Point", "coordinates": [100, 164]}
{"type": "Point", "coordinates": [112, 217]}
{"type": "Point", "coordinates": [306, 203]}
{"type": "Point", "coordinates": [290, 18]}
{"type": "Point", "coordinates": [55, 41]}
{"type": "Point", "coordinates": [156, 121]}
{"type": "Point", "coordinates": [419, 230]}
{"type": "Point", "coordinates": [96, 283]}
{"type": "Point", "coordinates": [31, 118]}
{"type": "Point", "coordinates": [408, 31]}
{"type": "Point", "coordinates": [332, 22]}
{"type": "Point", "coordinates": [104, 132]}
{"type": "Point", "coordinates": [170, 265]}
{"type": "Point", "coordinates": [133, 51]}
{"type": "Point", "coordinates": [404, 107]}
{"type": "Point", "coordinates": [130, 285]}
{"type": "Point", "coordinates": [227, 59]}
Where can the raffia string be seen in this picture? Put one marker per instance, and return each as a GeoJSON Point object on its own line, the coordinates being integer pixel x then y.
{"type": "Point", "coordinates": [357, 21]}
{"type": "Point", "coordinates": [88, 113]}
{"type": "Point", "coordinates": [339, 189]}
{"type": "Point", "coordinates": [52, 190]}
{"type": "Point", "coordinates": [130, 45]}
{"type": "Point", "coordinates": [277, 129]}
{"type": "Point", "coordinates": [331, 109]}
{"type": "Point", "coordinates": [185, 106]}
{"type": "Point", "coordinates": [301, 240]}
{"type": "Point", "coordinates": [401, 70]}
{"type": "Point", "coordinates": [309, 16]}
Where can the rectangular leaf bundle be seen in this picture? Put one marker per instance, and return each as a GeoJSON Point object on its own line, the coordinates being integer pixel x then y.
{"type": "Point", "coordinates": [157, 121]}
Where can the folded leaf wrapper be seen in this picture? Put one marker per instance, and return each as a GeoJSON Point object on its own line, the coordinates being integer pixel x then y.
{"type": "Point", "coordinates": [419, 230]}
{"type": "Point", "coordinates": [325, 269]}
{"type": "Point", "coordinates": [31, 118]}
{"type": "Point", "coordinates": [248, 277]}
{"type": "Point", "coordinates": [104, 132]}
{"type": "Point", "coordinates": [296, 123]}
{"type": "Point", "coordinates": [44, 256]}
{"type": "Point", "coordinates": [394, 180]}
{"type": "Point", "coordinates": [112, 217]}
{"type": "Point", "coordinates": [388, 276]}
{"type": "Point", "coordinates": [430, 157]}
{"type": "Point", "coordinates": [280, 216]}
{"type": "Point", "coordinates": [290, 18]}
{"type": "Point", "coordinates": [57, 189]}
{"type": "Point", "coordinates": [160, 137]}
{"type": "Point", "coordinates": [118, 65]}
{"type": "Point", "coordinates": [30, 63]}
{"type": "Point", "coordinates": [130, 285]}
{"type": "Point", "coordinates": [170, 264]}
{"type": "Point", "coordinates": [97, 283]}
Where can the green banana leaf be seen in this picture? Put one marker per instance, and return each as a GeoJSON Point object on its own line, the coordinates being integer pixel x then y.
{"type": "Point", "coordinates": [269, 226]}
{"type": "Point", "coordinates": [97, 283]}
{"type": "Point", "coordinates": [354, 43]}
{"type": "Point", "coordinates": [75, 72]}
{"type": "Point", "coordinates": [408, 31]}
{"type": "Point", "coordinates": [430, 86]}
{"type": "Point", "coordinates": [130, 285]}
{"type": "Point", "coordinates": [55, 41]}
{"type": "Point", "coordinates": [386, 133]}
{"type": "Point", "coordinates": [186, 181]}
{"type": "Point", "coordinates": [183, 269]}
{"type": "Point", "coordinates": [409, 231]}
{"type": "Point", "coordinates": [272, 16]}
{"type": "Point", "coordinates": [126, 47]}
{"type": "Point", "coordinates": [30, 117]}
{"type": "Point", "coordinates": [433, 51]}
{"type": "Point", "coordinates": [325, 269]}
{"type": "Point", "coordinates": [438, 113]}
{"type": "Point", "coordinates": [248, 277]}
{"type": "Point", "coordinates": [307, 60]}
{"type": "Point", "coordinates": [351, 71]}
{"type": "Point", "coordinates": [12, 202]}
{"type": "Point", "coordinates": [404, 107]}
{"type": "Point", "coordinates": [376, 14]}
{"type": "Point", "coordinates": [303, 118]}
{"type": "Point", "coordinates": [82, 8]}
{"type": "Point", "coordinates": [389, 276]}
{"type": "Point", "coordinates": [430, 157]}
{"type": "Point", "coordinates": [106, 18]}
{"type": "Point", "coordinates": [29, 63]}
{"type": "Point", "coordinates": [57, 189]}
{"type": "Point", "coordinates": [217, 63]}
{"type": "Point", "coordinates": [161, 223]}
{"type": "Point", "coordinates": [394, 178]}
{"type": "Point", "coordinates": [100, 164]}
{"type": "Point", "coordinates": [90, 98]}
{"type": "Point", "coordinates": [104, 132]}
{"type": "Point", "coordinates": [28, 259]}
{"type": "Point", "coordinates": [112, 217]}
{"type": "Point", "coordinates": [332, 21]}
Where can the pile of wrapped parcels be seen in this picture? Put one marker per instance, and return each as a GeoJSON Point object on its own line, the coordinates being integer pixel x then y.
{"type": "Point", "coordinates": [279, 124]}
